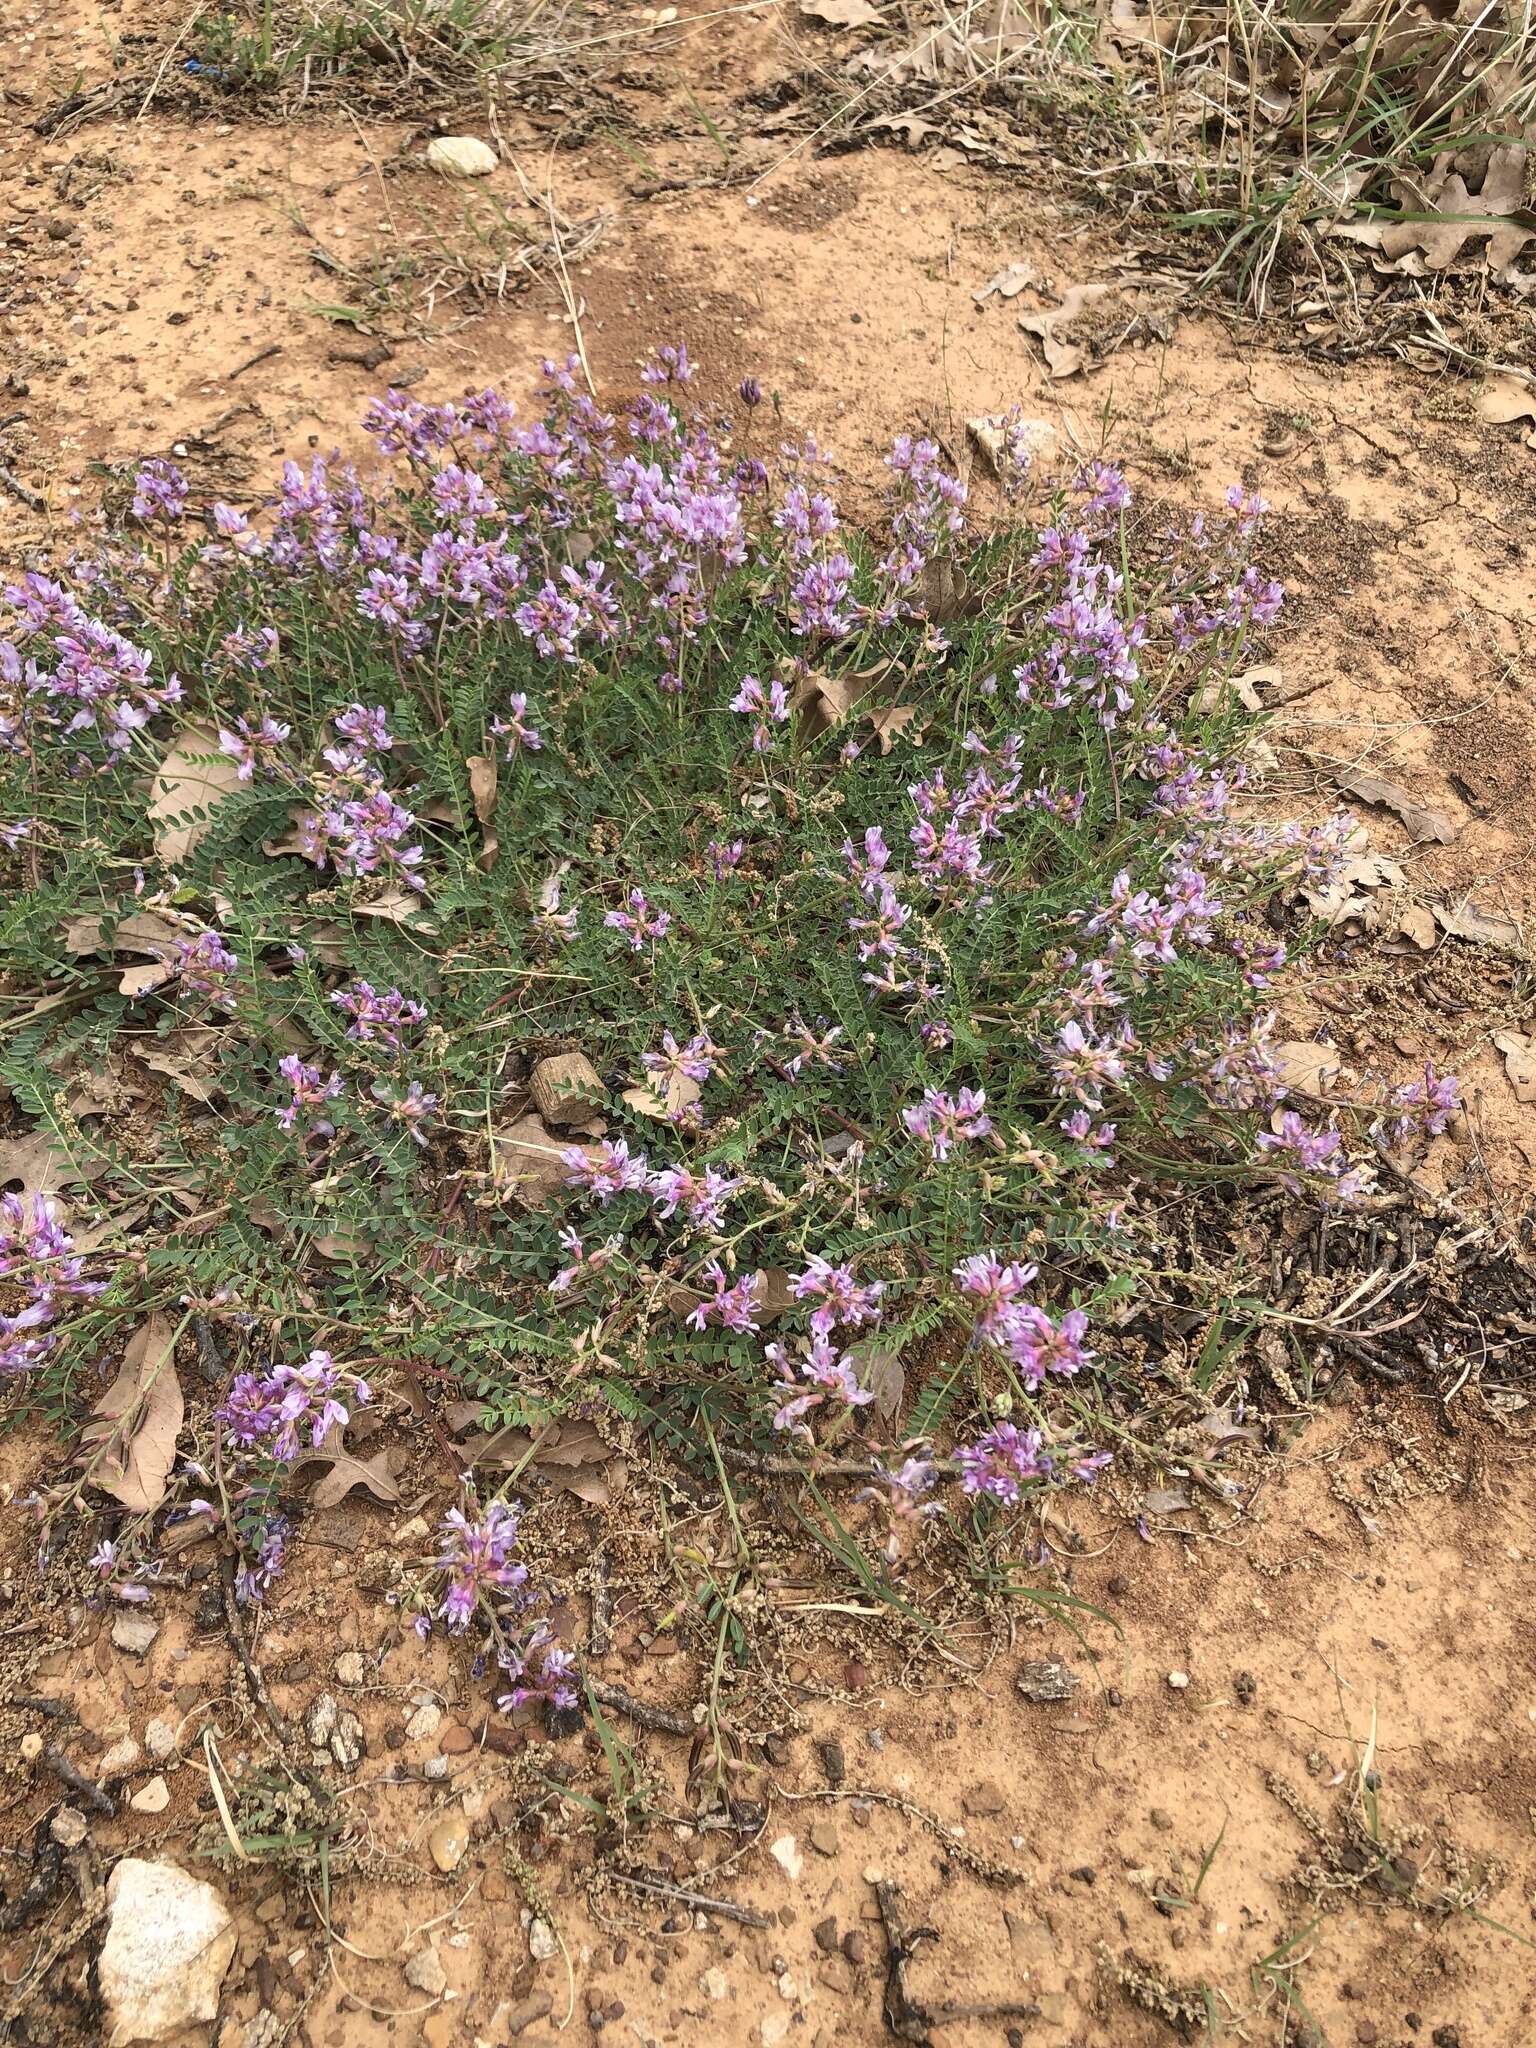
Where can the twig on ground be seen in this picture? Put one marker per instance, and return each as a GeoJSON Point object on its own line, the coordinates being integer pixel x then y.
{"type": "Point", "coordinates": [69, 1774]}
{"type": "Point", "coordinates": [792, 1468]}
{"type": "Point", "coordinates": [37, 1892]}
{"type": "Point", "coordinates": [908, 2018]}
{"type": "Point", "coordinates": [904, 2015]}
{"type": "Point", "coordinates": [30, 498]}
{"type": "Point", "coordinates": [600, 1633]}
{"type": "Point", "coordinates": [726, 1909]}
{"type": "Point", "coordinates": [660, 1720]}
{"type": "Point", "coordinates": [262, 355]}
{"type": "Point", "coordinates": [253, 1673]}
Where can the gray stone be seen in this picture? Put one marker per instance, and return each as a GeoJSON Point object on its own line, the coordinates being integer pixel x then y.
{"type": "Point", "coordinates": [425, 1972]}
{"type": "Point", "coordinates": [68, 1827]}
{"type": "Point", "coordinates": [134, 1633]}
{"type": "Point", "coordinates": [119, 1760]}
{"type": "Point", "coordinates": [335, 1728]}
{"type": "Point", "coordinates": [169, 1942]}
{"type": "Point", "coordinates": [160, 1740]}
{"type": "Point", "coordinates": [425, 1722]}
{"type": "Point", "coordinates": [542, 1945]}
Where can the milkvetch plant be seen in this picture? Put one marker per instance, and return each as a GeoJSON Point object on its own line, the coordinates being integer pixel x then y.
{"type": "Point", "coordinates": [900, 891]}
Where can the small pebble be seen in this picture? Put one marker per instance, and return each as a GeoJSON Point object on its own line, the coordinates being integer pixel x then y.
{"type": "Point", "coordinates": [351, 1667]}
{"type": "Point", "coordinates": [160, 1740]}
{"type": "Point", "coordinates": [448, 1841]}
{"type": "Point", "coordinates": [68, 1827]}
{"type": "Point", "coordinates": [154, 1797]}
{"type": "Point", "coordinates": [541, 1941]}
{"type": "Point", "coordinates": [134, 1633]}
{"type": "Point", "coordinates": [425, 1972]}
{"type": "Point", "coordinates": [1178, 1680]}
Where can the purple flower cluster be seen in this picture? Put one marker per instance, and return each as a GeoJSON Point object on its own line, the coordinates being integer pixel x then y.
{"type": "Point", "coordinates": [839, 1297]}
{"type": "Point", "coordinates": [539, 1670]}
{"type": "Point", "coordinates": [311, 1092]}
{"type": "Point", "coordinates": [254, 747]}
{"type": "Point", "coordinates": [269, 1412]}
{"type": "Point", "coordinates": [731, 1304]}
{"type": "Point", "coordinates": [254, 1580]}
{"type": "Point", "coordinates": [477, 1563]}
{"type": "Point", "coordinates": [767, 707]}
{"type": "Point", "coordinates": [207, 968]}
{"type": "Point", "coordinates": [38, 1261]}
{"type": "Point", "coordinates": [378, 1017]}
{"type": "Point", "coordinates": [1010, 1323]}
{"type": "Point", "coordinates": [929, 509]}
{"type": "Point", "coordinates": [701, 1196]}
{"type": "Point", "coordinates": [809, 1380]}
{"type": "Point", "coordinates": [1006, 1459]}
{"type": "Point", "coordinates": [945, 1120]}
{"type": "Point", "coordinates": [160, 491]}
{"type": "Point", "coordinates": [639, 922]}
{"type": "Point", "coordinates": [77, 673]}
{"type": "Point", "coordinates": [1425, 1107]}
{"type": "Point", "coordinates": [604, 1170]}
{"type": "Point", "coordinates": [357, 825]}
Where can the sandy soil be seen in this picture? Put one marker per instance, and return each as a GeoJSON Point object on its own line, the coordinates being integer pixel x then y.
{"type": "Point", "coordinates": [163, 280]}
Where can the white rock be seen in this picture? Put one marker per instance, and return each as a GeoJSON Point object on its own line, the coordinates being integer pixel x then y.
{"type": "Point", "coordinates": [425, 1972]}
{"type": "Point", "coordinates": [542, 1945]}
{"type": "Point", "coordinates": [169, 1942]}
{"type": "Point", "coordinates": [154, 1797]}
{"type": "Point", "coordinates": [31, 1746]}
{"type": "Point", "coordinates": [118, 1760]}
{"type": "Point", "coordinates": [351, 1668]}
{"type": "Point", "coordinates": [425, 1722]}
{"type": "Point", "coordinates": [134, 1633]}
{"type": "Point", "coordinates": [786, 1853]}
{"type": "Point", "coordinates": [68, 1827]}
{"type": "Point", "coordinates": [1178, 1680]}
{"type": "Point", "coordinates": [461, 156]}
{"type": "Point", "coordinates": [714, 1983]}
{"type": "Point", "coordinates": [160, 1740]}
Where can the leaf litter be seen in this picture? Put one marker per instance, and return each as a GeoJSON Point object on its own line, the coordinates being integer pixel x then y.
{"type": "Point", "coordinates": [129, 1445]}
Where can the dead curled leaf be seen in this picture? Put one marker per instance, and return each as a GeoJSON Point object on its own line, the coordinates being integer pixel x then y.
{"type": "Point", "coordinates": [1420, 820]}
{"type": "Point", "coordinates": [193, 778]}
{"type": "Point", "coordinates": [840, 13]}
{"type": "Point", "coordinates": [344, 1471]}
{"type": "Point", "coordinates": [1519, 1050]}
{"type": "Point", "coordinates": [1505, 399]}
{"type": "Point", "coordinates": [1482, 927]}
{"type": "Point", "coordinates": [1450, 215]}
{"type": "Point", "coordinates": [1006, 283]}
{"type": "Point", "coordinates": [570, 1453]}
{"type": "Point", "coordinates": [1306, 1067]}
{"type": "Point", "coordinates": [482, 790]}
{"type": "Point", "coordinates": [1063, 358]}
{"type": "Point", "coordinates": [129, 1445]}
{"type": "Point", "coordinates": [1347, 898]}
{"type": "Point", "coordinates": [879, 1370]}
